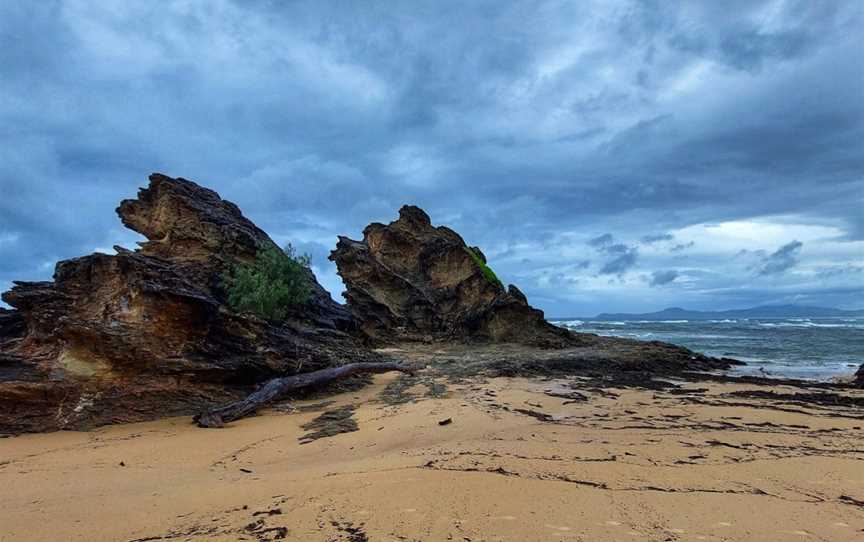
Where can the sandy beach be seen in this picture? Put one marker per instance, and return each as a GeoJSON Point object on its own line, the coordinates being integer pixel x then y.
{"type": "Point", "coordinates": [479, 459]}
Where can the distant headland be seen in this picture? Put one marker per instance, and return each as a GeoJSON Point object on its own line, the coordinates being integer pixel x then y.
{"type": "Point", "coordinates": [765, 311]}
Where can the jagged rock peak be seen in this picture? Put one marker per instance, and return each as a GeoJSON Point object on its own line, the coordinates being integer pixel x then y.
{"type": "Point", "coordinates": [412, 280]}
{"type": "Point", "coordinates": [414, 214]}
{"type": "Point", "coordinates": [185, 221]}
{"type": "Point", "coordinates": [147, 333]}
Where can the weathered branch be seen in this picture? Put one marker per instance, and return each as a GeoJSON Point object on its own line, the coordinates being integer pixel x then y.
{"type": "Point", "coordinates": [272, 389]}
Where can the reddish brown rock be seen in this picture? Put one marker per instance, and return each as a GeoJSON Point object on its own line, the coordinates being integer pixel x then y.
{"type": "Point", "coordinates": [146, 333]}
{"type": "Point", "coordinates": [410, 280]}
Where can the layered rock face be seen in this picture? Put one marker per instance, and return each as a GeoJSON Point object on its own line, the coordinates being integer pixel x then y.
{"type": "Point", "coordinates": [410, 280]}
{"type": "Point", "coordinates": [146, 333]}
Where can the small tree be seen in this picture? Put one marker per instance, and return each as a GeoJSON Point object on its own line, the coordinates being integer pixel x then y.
{"type": "Point", "coordinates": [271, 284]}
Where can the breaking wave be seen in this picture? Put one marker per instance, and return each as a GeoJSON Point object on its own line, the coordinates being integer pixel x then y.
{"type": "Point", "coordinates": [815, 348]}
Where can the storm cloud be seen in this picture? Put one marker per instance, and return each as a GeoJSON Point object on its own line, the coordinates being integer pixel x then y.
{"type": "Point", "coordinates": [661, 278]}
{"type": "Point", "coordinates": [656, 238]}
{"type": "Point", "coordinates": [782, 259]}
{"type": "Point", "coordinates": [529, 127]}
{"type": "Point", "coordinates": [620, 264]}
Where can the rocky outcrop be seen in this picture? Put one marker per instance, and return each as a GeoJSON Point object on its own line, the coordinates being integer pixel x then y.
{"type": "Point", "coordinates": [859, 376]}
{"type": "Point", "coordinates": [410, 280]}
{"type": "Point", "coordinates": [146, 333]}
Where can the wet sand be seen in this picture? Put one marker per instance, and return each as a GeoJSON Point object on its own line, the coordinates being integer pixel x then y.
{"type": "Point", "coordinates": [514, 463]}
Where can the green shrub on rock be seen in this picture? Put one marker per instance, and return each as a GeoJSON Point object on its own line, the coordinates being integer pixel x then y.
{"type": "Point", "coordinates": [271, 284]}
{"type": "Point", "coordinates": [487, 271]}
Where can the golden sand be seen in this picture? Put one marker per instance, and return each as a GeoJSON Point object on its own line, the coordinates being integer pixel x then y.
{"type": "Point", "coordinates": [515, 464]}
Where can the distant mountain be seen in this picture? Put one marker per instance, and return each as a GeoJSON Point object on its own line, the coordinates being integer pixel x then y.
{"type": "Point", "coordinates": [768, 311]}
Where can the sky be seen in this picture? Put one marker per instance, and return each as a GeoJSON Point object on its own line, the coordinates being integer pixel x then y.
{"type": "Point", "coordinates": [605, 155]}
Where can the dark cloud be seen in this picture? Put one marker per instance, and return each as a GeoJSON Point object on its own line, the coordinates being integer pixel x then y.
{"type": "Point", "coordinates": [525, 127]}
{"type": "Point", "coordinates": [620, 264]}
{"type": "Point", "coordinates": [559, 279]}
{"type": "Point", "coordinates": [682, 246]}
{"type": "Point", "coordinates": [660, 278]}
{"type": "Point", "coordinates": [834, 271]}
{"type": "Point", "coordinates": [746, 253]}
{"type": "Point", "coordinates": [782, 259]}
{"type": "Point", "coordinates": [607, 243]}
{"type": "Point", "coordinates": [601, 242]}
{"type": "Point", "coordinates": [617, 248]}
{"type": "Point", "coordinates": [656, 238]}
{"type": "Point", "coordinates": [623, 257]}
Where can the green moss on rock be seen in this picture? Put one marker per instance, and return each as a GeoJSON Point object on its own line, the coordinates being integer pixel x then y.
{"type": "Point", "coordinates": [487, 271]}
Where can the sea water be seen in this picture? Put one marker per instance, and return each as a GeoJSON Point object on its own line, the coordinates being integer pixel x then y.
{"type": "Point", "coordinates": [806, 348]}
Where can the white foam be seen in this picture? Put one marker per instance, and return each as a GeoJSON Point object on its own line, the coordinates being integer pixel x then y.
{"type": "Point", "coordinates": [807, 323]}
{"type": "Point", "coordinates": [567, 323]}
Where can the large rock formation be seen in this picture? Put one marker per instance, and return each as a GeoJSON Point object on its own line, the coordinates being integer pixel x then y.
{"type": "Point", "coordinates": [410, 280]}
{"type": "Point", "coordinates": [146, 333]}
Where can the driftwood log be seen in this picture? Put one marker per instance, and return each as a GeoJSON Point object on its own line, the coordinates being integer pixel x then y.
{"type": "Point", "coordinates": [273, 389]}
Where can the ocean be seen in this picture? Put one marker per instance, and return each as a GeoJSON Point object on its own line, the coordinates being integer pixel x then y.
{"type": "Point", "coordinates": [805, 348]}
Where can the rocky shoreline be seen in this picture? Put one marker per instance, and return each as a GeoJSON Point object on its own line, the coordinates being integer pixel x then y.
{"type": "Point", "coordinates": [147, 333]}
{"type": "Point", "coordinates": [499, 425]}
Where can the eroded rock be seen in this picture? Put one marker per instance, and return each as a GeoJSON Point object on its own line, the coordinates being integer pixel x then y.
{"type": "Point", "coordinates": [146, 333]}
{"type": "Point", "coordinates": [410, 280]}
